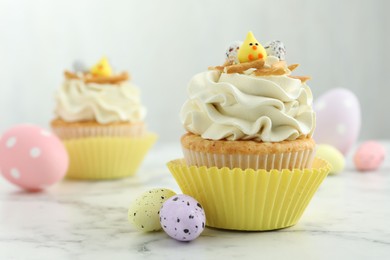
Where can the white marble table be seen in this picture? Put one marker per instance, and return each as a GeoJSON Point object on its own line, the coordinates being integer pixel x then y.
{"type": "Point", "coordinates": [349, 218]}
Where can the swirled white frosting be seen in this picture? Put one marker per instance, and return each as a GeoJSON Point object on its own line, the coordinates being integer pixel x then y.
{"type": "Point", "coordinates": [246, 107]}
{"type": "Point", "coordinates": [105, 103]}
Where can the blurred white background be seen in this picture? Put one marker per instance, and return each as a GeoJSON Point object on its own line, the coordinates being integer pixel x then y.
{"type": "Point", "coordinates": [164, 43]}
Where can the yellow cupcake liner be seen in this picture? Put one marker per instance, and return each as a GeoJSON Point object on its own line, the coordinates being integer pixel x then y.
{"type": "Point", "coordinates": [252, 200]}
{"type": "Point", "coordinates": [107, 157]}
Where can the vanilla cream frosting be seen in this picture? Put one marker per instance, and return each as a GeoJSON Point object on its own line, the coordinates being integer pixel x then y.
{"type": "Point", "coordinates": [246, 107]}
{"type": "Point", "coordinates": [105, 103]}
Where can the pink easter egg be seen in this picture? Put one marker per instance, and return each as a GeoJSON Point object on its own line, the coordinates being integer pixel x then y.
{"type": "Point", "coordinates": [31, 157]}
{"type": "Point", "coordinates": [369, 156]}
{"type": "Point", "coordinates": [338, 119]}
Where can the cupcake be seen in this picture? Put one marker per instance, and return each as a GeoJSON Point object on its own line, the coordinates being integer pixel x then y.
{"type": "Point", "coordinates": [249, 113]}
{"type": "Point", "coordinates": [100, 118]}
{"type": "Point", "coordinates": [248, 150]}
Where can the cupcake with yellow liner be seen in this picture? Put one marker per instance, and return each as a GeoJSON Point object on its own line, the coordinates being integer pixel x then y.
{"type": "Point", "coordinates": [249, 153]}
{"type": "Point", "coordinates": [100, 118]}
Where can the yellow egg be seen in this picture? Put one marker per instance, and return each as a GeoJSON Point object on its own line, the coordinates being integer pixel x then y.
{"type": "Point", "coordinates": [333, 156]}
{"type": "Point", "coordinates": [144, 212]}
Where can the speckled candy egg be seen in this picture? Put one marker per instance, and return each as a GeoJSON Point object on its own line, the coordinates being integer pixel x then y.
{"type": "Point", "coordinates": [79, 66]}
{"type": "Point", "coordinates": [31, 157]}
{"type": "Point", "coordinates": [144, 211]}
{"type": "Point", "coordinates": [369, 156]}
{"type": "Point", "coordinates": [338, 119]}
{"type": "Point", "coordinates": [232, 52]}
{"type": "Point", "coordinates": [333, 156]}
{"type": "Point", "coordinates": [182, 218]}
{"type": "Point", "coordinates": [276, 48]}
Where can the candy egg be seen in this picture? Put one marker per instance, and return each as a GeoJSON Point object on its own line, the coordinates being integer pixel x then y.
{"type": "Point", "coordinates": [144, 211]}
{"type": "Point", "coordinates": [182, 218]}
{"type": "Point", "coordinates": [333, 156]}
{"type": "Point", "coordinates": [338, 119]}
{"type": "Point", "coordinates": [276, 48]}
{"type": "Point", "coordinates": [369, 156]}
{"type": "Point", "coordinates": [232, 52]}
{"type": "Point", "coordinates": [79, 66]}
{"type": "Point", "coordinates": [31, 157]}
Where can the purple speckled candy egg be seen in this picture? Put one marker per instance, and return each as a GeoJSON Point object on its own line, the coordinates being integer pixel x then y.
{"type": "Point", "coordinates": [369, 156]}
{"type": "Point", "coordinates": [182, 217]}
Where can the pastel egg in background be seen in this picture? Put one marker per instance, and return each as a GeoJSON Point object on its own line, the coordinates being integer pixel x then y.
{"type": "Point", "coordinates": [32, 157]}
{"type": "Point", "coordinates": [144, 211]}
{"type": "Point", "coordinates": [182, 217]}
{"type": "Point", "coordinates": [369, 156]}
{"type": "Point", "coordinates": [338, 119]}
{"type": "Point", "coordinates": [333, 156]}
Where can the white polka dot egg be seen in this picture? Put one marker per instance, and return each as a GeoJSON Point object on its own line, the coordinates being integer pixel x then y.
{"type": "Point", "coordinates": [144, 212]}
{"type": "Point", "coordinates": [31, 157]}
{"type": "Point", "coordinates": [338, 119]}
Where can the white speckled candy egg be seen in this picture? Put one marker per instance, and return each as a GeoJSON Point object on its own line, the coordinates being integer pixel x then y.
{"type": "Point", "coordinates": [32, 157]}
{"type": "Point", "coordinates": [182, 218]}
{"type": "Point", "coordinates": [144, 211]}
{"type": "Point", "coordinates": [333, 156]}
{"type": "Point", "coordinates": [369, 156]}
{"type": "Point", "coordinates": [79, 66]}
{"type": "Point", "coordinates": [232, 52]}
{"type": "Point", "coordinates": [338, 119]}
{"type": "Point", "coordinates": [276, 48]}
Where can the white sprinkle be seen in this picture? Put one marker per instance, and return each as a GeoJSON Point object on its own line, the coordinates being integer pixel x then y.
{"type": "Point", "coordinates": [11, 142]}
{"type": "Point", "coordinates": [320, 105]}
{"type": "Point", "coordinates": [35, 152]}
{"type": "Point", "coordinates": [15, 173]}
{"type": "Point", "coordinates": [341, 129]}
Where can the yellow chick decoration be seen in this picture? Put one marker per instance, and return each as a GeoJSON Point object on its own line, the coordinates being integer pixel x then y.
{"type": "Point", "coordinates": [251, 49]}
{"type": "Point", "coordinates": [102, 68]}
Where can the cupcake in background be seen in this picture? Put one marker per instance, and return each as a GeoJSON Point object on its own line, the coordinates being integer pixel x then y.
{"type": "Point", "coordinates": [100, 118]}
{"type": "Point", "coordinates": [248, 151]}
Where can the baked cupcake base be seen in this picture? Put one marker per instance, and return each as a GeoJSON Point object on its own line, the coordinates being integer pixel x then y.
{"type": "Point", "coordinates": [106, 157]}
{"type": "Point", "coordinates": [247, 199]}
{"type": "Point", "coordinates": [248, 154]}
{"type": "Point", "coordinates": [85, 129]}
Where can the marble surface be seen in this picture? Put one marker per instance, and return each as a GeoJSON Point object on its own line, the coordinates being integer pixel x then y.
{"type": "Point", "coordinates": [348, 218]}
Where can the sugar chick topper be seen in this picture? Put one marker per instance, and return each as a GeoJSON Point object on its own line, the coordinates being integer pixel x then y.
{"type": "Point", "coordinates": [251, 49]}
{"type": "Point", "coordinates": [102, 68]}
{"type": "Point", "coordinates": [100, 73]}
{"type": "Point", "coordinates": [251, 58]}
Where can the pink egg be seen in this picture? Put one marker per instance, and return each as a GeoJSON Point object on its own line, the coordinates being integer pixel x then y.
{"type": "Point", "coordinates": [369, 156]}
{"type": "Point", "coordinates": [338, 119]}
{"type": "Point", "coordinates": [32, 157]}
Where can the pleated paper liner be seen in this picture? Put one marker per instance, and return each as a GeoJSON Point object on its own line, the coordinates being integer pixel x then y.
{"type": "Point", "coordinates": [252, 200]}
{"type": "Point", "coordinates": [289, 160]}
{"type": "Point", "coordinates": [107, 157]}
{"type": "Point", "coordinates": [69, 132]}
